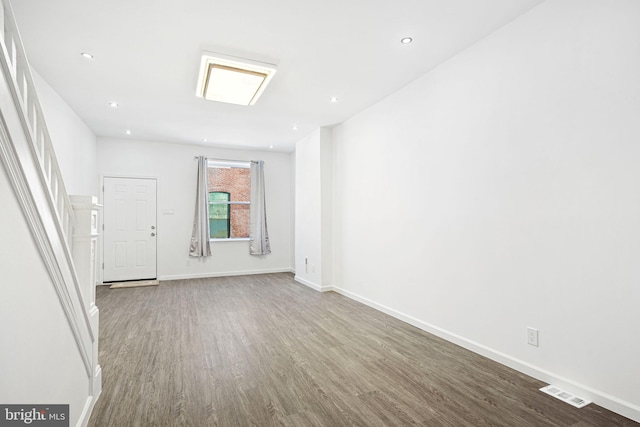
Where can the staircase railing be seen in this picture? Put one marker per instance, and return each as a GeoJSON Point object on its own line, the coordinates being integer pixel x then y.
{"type": "Point", "coordinates": [15, 63]}
{"type": "Point", "coordinates": [29, 159]}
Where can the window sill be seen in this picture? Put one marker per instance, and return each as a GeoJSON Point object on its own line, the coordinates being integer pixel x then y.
{"type": "Point", "coordinates": [237, 239]}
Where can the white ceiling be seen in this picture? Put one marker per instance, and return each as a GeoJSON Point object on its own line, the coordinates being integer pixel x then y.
{"type": "Point", "coordinates": [147, 54]}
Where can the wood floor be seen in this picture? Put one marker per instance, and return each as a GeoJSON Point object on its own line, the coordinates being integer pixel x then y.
{"type": "Point", "coordinates": [264, 350]}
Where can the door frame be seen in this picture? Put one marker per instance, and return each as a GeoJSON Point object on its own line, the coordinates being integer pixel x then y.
{"type": "Point", "coordinates": [100, 245]}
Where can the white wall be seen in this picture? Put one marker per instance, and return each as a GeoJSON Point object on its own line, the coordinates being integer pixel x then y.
{"type": "Point", "coordinates": [501, 191]}
{"type": "Point", "coordinates": [292, 159]}
{"type": "Point", "coordinates": [326, 192]}
{"type": "Point", "coordinates": [46, 333]}
{"type": "Point", "coordinates": [175, 169]}
{"type": "Point", "coordinates": [313, 209]}
{"type": "Point", "coordinates": [308, 213]}
{"type": "Point", "coordinates": [39, 361]}
{"type": "Point", "coordinates": [73, 142]}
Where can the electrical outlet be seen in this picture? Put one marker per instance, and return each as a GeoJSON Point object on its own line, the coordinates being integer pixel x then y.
{"type": "Point", "coordinates": [306, 265]}
{"type": "Point", "coordinates": [188, 263]}
{"type": "Point", "coordinates": [532, 337]}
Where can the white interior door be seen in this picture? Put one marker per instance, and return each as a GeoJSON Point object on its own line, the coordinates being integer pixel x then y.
{"type": "Point", "coordinates": [129, 229]}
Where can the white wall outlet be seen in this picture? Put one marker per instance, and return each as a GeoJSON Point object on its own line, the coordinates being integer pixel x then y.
{"type": "Point", "coordinates": [532, 337]}
{"type": "Point", "coordinates": [188, 263]}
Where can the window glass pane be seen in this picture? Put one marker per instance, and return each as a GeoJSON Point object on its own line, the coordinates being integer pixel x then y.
{"type": "Point", "coordinates": [218, 197]}
{"type": "Point", "coordinates": [217, 211]}
{"type": "Point", "coordinates": [219, 224]}
{"type": "Point", "coordinates": [219, 228]}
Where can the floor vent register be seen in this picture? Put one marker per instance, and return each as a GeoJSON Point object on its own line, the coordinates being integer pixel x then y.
{"type": "Point", "coordinates": [565, 396]}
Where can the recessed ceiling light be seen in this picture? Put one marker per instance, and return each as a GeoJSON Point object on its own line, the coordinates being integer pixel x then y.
{"type": "Point", "coordinates": [204, 139]}
{"type": "Point", "coordinates": [113, 104]}
{"type": "Point", "coordinates": [334, 99]}
{"type": "Point", "coordinates": [295, 127]}
{"type": "Point", "coordinates": [406, 40]}
{"type": "Point", "coordinates": [271, 147]}
{"type": "Point", "coordinates": [86, 55]}
{"type": "Point", "coordinates": [128, 132]}
{"type": "Point", "coordinates": [232, 80]}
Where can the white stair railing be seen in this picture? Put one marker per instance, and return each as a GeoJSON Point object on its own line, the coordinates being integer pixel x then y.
{"type": "Point", "coordinates": [15, 63]}
{"type": "Point", "coordinates": [28, 157]}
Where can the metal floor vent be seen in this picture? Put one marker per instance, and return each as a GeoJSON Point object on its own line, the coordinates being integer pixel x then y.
{"type": "Point", "coordinates": [565, 396]}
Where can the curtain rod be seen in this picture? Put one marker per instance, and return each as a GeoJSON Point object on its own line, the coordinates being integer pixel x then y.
{"type": "Point", "coordinates": [226, 160]}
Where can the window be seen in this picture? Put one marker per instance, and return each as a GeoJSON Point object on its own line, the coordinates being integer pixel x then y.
{"type": "Point", "coordinates": [219, 218]}
{"type": "Point", "coordinates": [229, 199]}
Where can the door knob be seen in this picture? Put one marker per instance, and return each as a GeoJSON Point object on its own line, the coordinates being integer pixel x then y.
{"type": "Point", "coordinates": [153, 227]}
{"type": "Point", "coordinates": [153, 234]}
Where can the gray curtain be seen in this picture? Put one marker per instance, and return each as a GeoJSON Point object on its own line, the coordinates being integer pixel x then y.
{"type": "Point", "coordinates": [258, 235]}
{"type": "Point", "coordinates": [200, 246]}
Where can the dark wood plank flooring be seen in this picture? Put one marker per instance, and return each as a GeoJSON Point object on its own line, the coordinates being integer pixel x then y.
{"type": "Point", "coordinates": [264, 350]}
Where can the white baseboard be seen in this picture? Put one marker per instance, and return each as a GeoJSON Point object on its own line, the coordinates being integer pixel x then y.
{"type": "Point", "coordinates": [97, 382]}
{"type": "Point", "coordinates": [86, 412]}
{"type": "Point", "coordinates": [222, 274]}
{"type": "Point", "coordinates": [91, 400]}
{"type": "Point", "coordinates": [308, 283]}
{"type": "Point", "coordinates": [600, 398]}
{"type": "Point", "coordinates": [312, 285]}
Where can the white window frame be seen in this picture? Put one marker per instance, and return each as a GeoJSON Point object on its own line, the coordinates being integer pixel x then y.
{"type": "Point", "coordinates": [230, 164]}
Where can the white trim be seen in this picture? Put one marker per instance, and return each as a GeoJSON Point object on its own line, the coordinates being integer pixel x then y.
{"type": "Point", "coordinates": [36, 128]}
{"type": "Point", "coordinates": [56, 267]}
{"type": "Point", "coordinates": [308, 283]}
{"type": "Point", "coordinates": [97, 383]}
{"type": "Point", "coordinates": [222, 274]}
{"type": "Point", "coordinates": [35, 177]}
{"type": "Point", "coordinates": [85, 415]}
{"type": "Point", "coordinates": [96, 379]}
{"type": "Point", "coordinates": [83, 420]}
{"type": "Point", "coordinates": [598, 397]}
{"type": "Point", "coordinates": [125, 175]}
{"type": "Point", "coordinates": [239, 164]}
{"type": "Point", "coordinates": [312, 285]}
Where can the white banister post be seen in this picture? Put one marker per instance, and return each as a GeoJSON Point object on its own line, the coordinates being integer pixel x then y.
{"type": "Point", "coordinates": [85, 241]}
{"type": "Point", "coordinates": [85, 249]}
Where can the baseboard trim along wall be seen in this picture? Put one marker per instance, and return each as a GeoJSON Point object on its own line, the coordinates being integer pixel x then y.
{"type": "Point", "coordinates": [222, 274]}
{"type": "Point", "coordinates": [312, 285]}
{"type": "Point", "coordinates": [90, 403]}
{"type": "Point", "coordinates": [605, 400]}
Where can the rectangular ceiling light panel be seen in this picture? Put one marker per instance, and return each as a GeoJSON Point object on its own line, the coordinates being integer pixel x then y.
{"type": "Point", "coordinates": [233, 80]}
